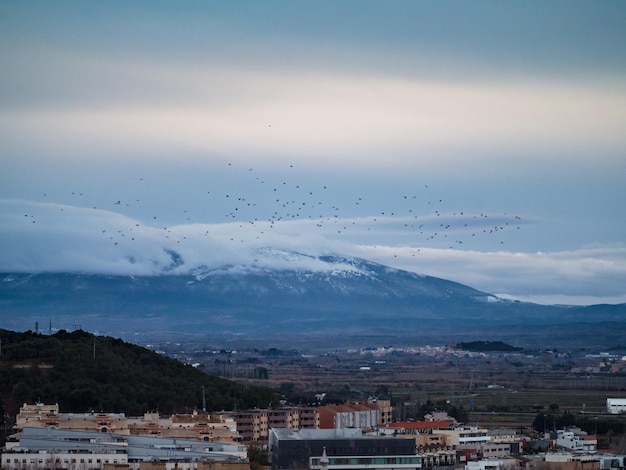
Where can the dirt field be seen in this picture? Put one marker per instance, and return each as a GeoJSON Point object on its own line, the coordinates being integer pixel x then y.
{"type": "Point", "coordinates": [507, 390]}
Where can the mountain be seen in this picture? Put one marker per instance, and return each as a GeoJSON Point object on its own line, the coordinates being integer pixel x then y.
{"type": "Point", "coordinates": [331, 300]}
{"type": "Point", "coordinates": [83, 372]}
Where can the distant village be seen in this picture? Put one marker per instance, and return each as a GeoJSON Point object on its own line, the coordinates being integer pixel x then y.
{"type": "Point", "coordinates": [349, 436]}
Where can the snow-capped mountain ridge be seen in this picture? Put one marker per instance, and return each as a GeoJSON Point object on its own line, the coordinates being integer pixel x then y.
{"type": "Point", "coordinates": [270, 260]}
{"type": "Point", "coordinates": [288, 295]}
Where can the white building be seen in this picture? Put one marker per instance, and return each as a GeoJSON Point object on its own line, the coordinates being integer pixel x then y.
{"type": "Point", "coordinates": [60, 460]}
{"type": "Point", "coordinates": [465, 436]}
{"type": "Point", "coordinates": [504, 435]}
{"type": "Point", "coordinates": [44, 448]}
{"type": "Point", "coordinates": [616, 405]}
{"type": "Point", "coordinates": [576, 443]}
{"type": "Point", "coordinates": [610, 461]}
{"type": "Point", "coordinates": [491, 464]}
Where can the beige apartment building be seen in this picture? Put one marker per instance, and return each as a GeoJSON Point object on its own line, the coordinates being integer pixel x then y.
{"type": "Point", "coordinates": [254, 425]}
{"type": "Point", "coordinates": [240, 426]}
{"type": "Point", "coordinates": [197, 425]}
{"type": "Point", "coordinates": [48, 416]}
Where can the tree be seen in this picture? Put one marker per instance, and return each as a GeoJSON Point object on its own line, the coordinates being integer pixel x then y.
{"type": "Point", "coordinates": [258, 456]}
{"type": "Point", "coordinates": [460, 414]}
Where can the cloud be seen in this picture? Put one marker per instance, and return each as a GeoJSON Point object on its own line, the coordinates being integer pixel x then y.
{"type": "Point", "coordinates": [138, 108]}
{"type": "Point", "coordinates": [56, 237]}
{"type": "Point", "coordinates": [573, 276]}
{"type": "Point", "coordinates": [503, 109]}
{"type": "Point", "coordinates": [53, 237]}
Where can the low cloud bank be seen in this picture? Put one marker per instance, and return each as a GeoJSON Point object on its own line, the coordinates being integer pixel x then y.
{"type": "Point", "coordinates": [40, 237]}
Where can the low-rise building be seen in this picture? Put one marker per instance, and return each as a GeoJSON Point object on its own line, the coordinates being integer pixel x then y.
{"type": "Point", "coordinates": [196, 425]}
{"type": "Point", "coordinates": [420, 427]}
{"type": "Point", "coordinates": [48, 416]}
{"type": "Point", "coordinates": [336, 449]}
{"type": "Point", "coordinates": [570, 461]}
{"type": "Point", "coordinates": [437, 456]}
{"type": "Point", "coordinates": [492, 464]}
{"type": "Point", "coordinates": [200, 426]}
{"type": "Point", "coordinates": [575, 441]}
{"type": "Point", "coordinates": [612, 461]}
{"type": "Point", "coordinates": [472, 436]}
{"type": "Point", "coordinates": [503, 435]}
{"type": "Point", "coordinates": [495, 450]}
{"type": "Point", "coordinates": [44, 448]}
{"type": "Point", "coordinates": [616, 405]}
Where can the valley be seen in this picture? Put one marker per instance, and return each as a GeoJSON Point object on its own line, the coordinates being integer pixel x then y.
{"type": "Point", "coordinates": [495, 388]}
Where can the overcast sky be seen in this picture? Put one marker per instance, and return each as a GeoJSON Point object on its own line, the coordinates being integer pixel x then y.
{"type": "Point", "coordinates": [482, 142]}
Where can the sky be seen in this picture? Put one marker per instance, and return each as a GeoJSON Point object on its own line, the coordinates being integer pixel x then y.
{"type": "Point", "coordinates": [482, 142]}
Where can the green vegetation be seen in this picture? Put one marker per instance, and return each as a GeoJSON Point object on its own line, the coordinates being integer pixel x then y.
{"type": "Point", "coordinates": [258, 456]}
{"type": "Point", "coordinates": [487, 346]}
{"type": "Point", "coordinates": [610, 430]}
{"type": "Point", "coordinates": [590, 424]}
{"type": "Point", "coordinates": [83, 372]}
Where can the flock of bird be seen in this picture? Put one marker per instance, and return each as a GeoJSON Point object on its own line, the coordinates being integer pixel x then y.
{"type": "Point", "coordinates": [250, 206]}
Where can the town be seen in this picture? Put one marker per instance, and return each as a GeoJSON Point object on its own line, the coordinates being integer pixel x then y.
{"type": "Point", "coordinates": [461, 406]}
{"type": "Point", "coordinates": [335, 436]}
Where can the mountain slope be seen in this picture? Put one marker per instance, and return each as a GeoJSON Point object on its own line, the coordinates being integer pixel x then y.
{"type": "Point", "coordinates": [81, 372]}
{"type": "Point", "coordinates": [336, 297]}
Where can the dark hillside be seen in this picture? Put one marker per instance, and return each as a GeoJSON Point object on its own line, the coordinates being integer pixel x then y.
{"type": "Point", "coordinates": [83, 372]}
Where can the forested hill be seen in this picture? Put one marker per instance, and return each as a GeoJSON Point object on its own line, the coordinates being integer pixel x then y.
{"type": "Point", "coordinates": [113, 376]}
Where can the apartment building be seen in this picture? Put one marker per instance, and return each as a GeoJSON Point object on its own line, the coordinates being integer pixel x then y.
{"type": "Point", "coordinates": [197, 425]}
{"type": "Point", "coordinates": [44, 448]}
{"type": "Point", "coordinates": [349, 415]}
{"type": "Point", "coordinates": [254, 425]}
{"type": "Point", "coordinates": [46, 416]}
